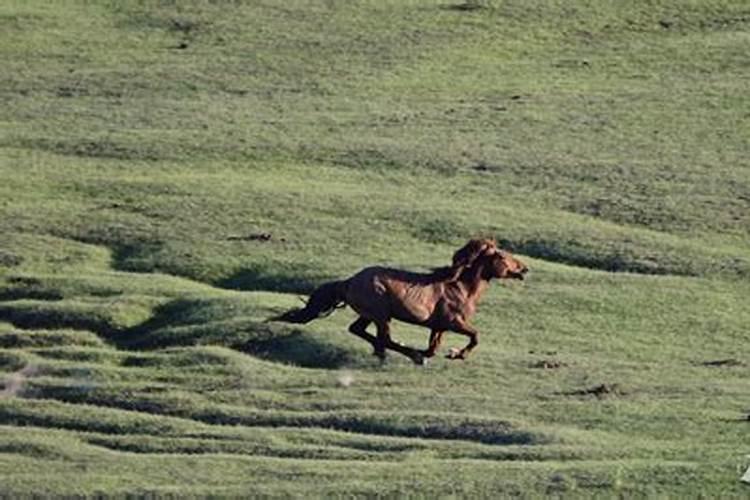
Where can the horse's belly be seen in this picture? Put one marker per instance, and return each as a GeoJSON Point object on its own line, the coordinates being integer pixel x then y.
{"type": "Point", "coordinates": [415, 317]}
{"type": "Point", "coordinates": [377, 294]}
{"type": "Point", "coordinates": [413, 306]}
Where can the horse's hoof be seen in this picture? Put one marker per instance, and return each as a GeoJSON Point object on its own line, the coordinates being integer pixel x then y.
{"type": "Point", "coordinates": [419, 360]}
{"type": "Point", "coordinates": [455, 354]}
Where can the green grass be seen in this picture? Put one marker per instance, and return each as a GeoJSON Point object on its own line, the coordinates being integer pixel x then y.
{"type": "Point", "coordinates": [144, 146]}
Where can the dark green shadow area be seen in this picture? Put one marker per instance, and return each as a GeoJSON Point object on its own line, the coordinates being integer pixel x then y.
{"type": "Point", "coordinates": [290, 278]}
{"type": "Point", "coordinates": [203, 322]}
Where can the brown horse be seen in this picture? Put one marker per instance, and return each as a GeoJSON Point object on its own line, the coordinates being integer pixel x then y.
{"type": "Point", "coordinates": [444, 300]}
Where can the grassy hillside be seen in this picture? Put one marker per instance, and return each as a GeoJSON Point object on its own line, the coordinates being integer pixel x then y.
{"type": "Point", "coordinates": [175, 173]}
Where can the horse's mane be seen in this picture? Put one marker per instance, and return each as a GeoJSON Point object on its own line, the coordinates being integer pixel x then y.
{"type": "Point", "coordinates": [464, 258]}
{"type": "Point", "coordinates": [443, 273]}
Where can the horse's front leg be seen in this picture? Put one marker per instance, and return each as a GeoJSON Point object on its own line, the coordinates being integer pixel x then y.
{"type": "Point", "coordinates": [473, 335]}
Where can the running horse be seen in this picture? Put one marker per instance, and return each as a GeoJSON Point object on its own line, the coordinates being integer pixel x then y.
{"type": "Point", "coordinates": [444, 300]}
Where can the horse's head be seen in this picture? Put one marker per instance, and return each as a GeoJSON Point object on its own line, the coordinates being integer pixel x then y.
{"type": "Point", "coordinates": [497, 263]}
{"type": "Point", "coordinates": [504, 265]}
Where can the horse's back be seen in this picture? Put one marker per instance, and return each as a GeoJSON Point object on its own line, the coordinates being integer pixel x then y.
{"type": "Point", "coordinates": [369, 280]}
{"type": "Point", "coordinates": [382, 293]}
{"type": "Point", "coordinates": [378, 278]}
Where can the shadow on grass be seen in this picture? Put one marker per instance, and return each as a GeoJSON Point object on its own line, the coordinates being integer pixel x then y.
{"type": "Point", "coordinates": [423, 426]}
{"type": "Point", "coordinates": [292, 279]}
{"type": "Point", "coordinates": [232, 323]}
{"type": "Point", "coordinates": [298, 348]}
{"type": "Point", "coordinates": [27, 287]}
{"type": "Point", "coordinates": [54, 319]}
{"type": "Point", "coordinates": [138, 256]}
{"type": "Point", "coordinates": [193, 322]}
{"type": "Point", "coordinates": [576, 254]}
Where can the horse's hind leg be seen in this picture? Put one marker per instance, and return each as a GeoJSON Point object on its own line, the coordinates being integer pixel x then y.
{"type": "Point", "coordinates": [385, 341]}
{"type": "Point", "coordinates": [358, 328]}
{"type": "Point", "coordinates": [384, 338]}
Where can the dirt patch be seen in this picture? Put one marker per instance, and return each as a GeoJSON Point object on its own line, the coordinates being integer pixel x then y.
{"type": "Point", "coordinates": [666, 23]}
{"type": "Point", "coordinates": [481, 167]}
{"type": "Point", "coordinates": [10, 260]}
{"type": "Point", "coordinates": [600, 391]}
{"type": "Point", "coordinates": [722, 362]}
{"type": "Point", "coordinates": [468, 6]}
{"type": "Point", "coordinates": [15, 382]}
{"type": "Point", "coordinates": [262, 237]}
{"type": "Point", "coordinates": [549, 364]}
{"type": "Point", "coordinates": [72, 91]}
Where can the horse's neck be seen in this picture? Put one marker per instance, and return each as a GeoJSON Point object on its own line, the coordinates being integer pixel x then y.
{"type": "Point", "coordinates": [473, 281]}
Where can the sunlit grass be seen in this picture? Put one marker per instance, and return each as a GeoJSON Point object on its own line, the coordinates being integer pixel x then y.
{"type": "Point", "coordinates": [173, 175]}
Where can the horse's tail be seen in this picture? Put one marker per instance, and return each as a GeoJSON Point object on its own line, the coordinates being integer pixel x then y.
{"type": "Point", "coordinates": [324, 301]}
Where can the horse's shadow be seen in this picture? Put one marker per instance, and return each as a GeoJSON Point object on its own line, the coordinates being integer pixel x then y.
{"type": "Point", "coordinates": [300, 349]}
{"type": "Point", "coordinates": [193, 322]}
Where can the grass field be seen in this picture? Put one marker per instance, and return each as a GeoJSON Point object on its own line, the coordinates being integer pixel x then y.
{"type": "Point", "coordinates": [172, 174]}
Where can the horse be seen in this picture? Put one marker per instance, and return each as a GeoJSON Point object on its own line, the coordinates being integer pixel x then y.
{"type": "Point", "coordinates": [443, 300]}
